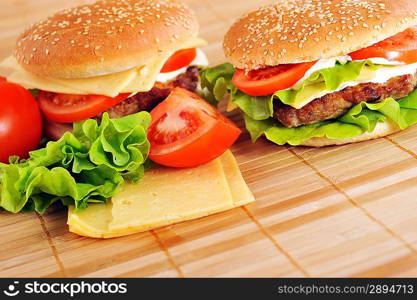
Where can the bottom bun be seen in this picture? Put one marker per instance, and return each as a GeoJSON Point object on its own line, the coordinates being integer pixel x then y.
{"type": "Point", "coordinates": [381, 130]}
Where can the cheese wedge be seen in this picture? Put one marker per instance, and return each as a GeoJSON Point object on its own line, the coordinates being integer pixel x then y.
{"type": "Point", "coordinates": [151, 204]}
{"type": "Point", "coordinates": [166, 196]}
{"type": "Point", "coordinates": [241, 193]}
{"type": "Point", "coordinates": [138, 79]}
{"type": "Point", "coordinates": [163, 197]}
{"type": "Point", "coordinates": [93, 221]}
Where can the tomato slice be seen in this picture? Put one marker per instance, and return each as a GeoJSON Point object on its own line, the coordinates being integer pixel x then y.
{"type": "Point", "coordinates": [2, 79]}
{"type": "Point", "coordinates": [267, 81]}
{"type": "Point", "coordinates": [66, 108]}
{"type": "Point", "coordinates": [179, 59]}
{"type": "Point", "coordinates": [20, 122]}
{"type": "Point", "coordinates": [186, 131]}
{"type": "Point", "coordinates": [401, 47]}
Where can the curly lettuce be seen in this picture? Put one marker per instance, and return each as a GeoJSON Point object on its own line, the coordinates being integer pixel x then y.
{"type": "Point", "coordinates": [82, 167]}
{"type": "Point", "coordinates": [258, 111]}
{"type": "Point", "coordinates": [358, 120]}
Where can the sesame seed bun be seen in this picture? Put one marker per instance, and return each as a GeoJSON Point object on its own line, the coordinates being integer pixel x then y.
{"type": "Point", "coordinates": [105, 37]}
{"type": "Point", "coordinates": [382, 129]}
{"type": "Point", "coordinates": [294, 31]}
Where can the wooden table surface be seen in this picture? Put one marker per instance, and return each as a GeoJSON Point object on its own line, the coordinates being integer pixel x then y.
{"type": "Point", "coordinates": [337, 211]}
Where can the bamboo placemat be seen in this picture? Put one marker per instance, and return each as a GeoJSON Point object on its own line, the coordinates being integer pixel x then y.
{"type": "Point", "coordinates": [337, 211]}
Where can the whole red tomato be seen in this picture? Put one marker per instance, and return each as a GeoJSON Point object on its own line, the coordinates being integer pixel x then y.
{"type": "Point", "coordinates": [20, 122]}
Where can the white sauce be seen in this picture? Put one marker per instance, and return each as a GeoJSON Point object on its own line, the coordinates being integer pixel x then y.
{"type": "Point", "coordinates": [383, 61]}
{"type": "Point", "coordinates": [200, 60]}
{"type": "Point", "coordinates": [320, 65]}
{"type": "Point", "coordinates": [331, 62]}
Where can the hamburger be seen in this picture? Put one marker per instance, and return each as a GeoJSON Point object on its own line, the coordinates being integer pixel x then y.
{"type": "Point", "coordinates": [120, 75]}
{"type": "Point", "coordinates": [114, 56]}
{"type": "Point", "coordinates": [320, 73]}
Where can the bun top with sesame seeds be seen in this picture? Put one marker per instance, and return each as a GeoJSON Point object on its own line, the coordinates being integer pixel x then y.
{"type": "Point", "coordinates": [105, 37]}
{"type": "Point", "coordinates": [295, 31]}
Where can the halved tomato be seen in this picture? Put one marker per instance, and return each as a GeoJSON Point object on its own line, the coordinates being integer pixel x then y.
{"type": "Point", "coordinates": [267, 81]}
{"type": "Point", "coordinates": [186, 131]}
{"type": "Point", "coordinates": [179, 59]}
{"type": "Point", "coordinates": [66, 108]}
{"type": "Point", "coordinates": [401, 47]}
{"type": "Point", "coordinates": [20, 122]}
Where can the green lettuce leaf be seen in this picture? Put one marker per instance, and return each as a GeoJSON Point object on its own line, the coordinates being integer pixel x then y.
{"type": "Point", "coordinates": [359, 119]}
{"type": "Point", "coordinates": [217, 83]}
{"type": "Point", "coordinates": [86, 166]}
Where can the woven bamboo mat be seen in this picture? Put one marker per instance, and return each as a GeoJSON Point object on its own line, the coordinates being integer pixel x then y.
{"type": "Point", "coordinates": [338, 211]}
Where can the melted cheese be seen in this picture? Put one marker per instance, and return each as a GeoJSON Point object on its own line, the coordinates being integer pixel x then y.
{"type": "Point", "coordinates": [163, 197]}
{"type": "Point", "coordinates": [139, 79]}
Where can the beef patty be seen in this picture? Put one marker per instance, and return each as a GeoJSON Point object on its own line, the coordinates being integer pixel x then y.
{"type": "Point", "coordinates": [337, 104]}
{"type": "Point", "coordinates": [148, 100]}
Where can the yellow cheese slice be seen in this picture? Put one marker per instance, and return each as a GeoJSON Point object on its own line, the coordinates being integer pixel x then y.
{"type": "Point", "coordinates": [95, 220]}
{"type": "Point", "coordinates": [8, 66]}
{"type": "Point", "coordinates": [151, 204]}
{"type": "Point", "coordinates": [241, 193]}
{"type": "Point", "coordinates": [138, 79]}
{"type": "Point", "coordinates": [146, 77]}
{"type": "Point", "coordinates": [109, 85]}
{"type": "Point", "coordinates": [163, 197]}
